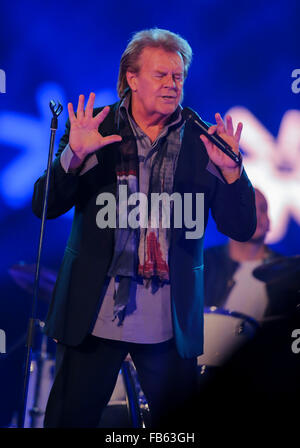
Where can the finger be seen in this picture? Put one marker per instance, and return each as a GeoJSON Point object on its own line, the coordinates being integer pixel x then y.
{"type": "Point", "coordinates": [220, 124]}
{"type": "Point", "coordinates": [206, 142]}
{"type": "Point", "coordinates": [238, 132]}
{"type": "Point", "coordinates": [212, 151]}
{"type": "Point", "coordinates": [72, 116]}
{"type": "Point", "coordinates": [90, 105]}
{"type": "Point", "coordinates": [80, 107]}
{"type": "Point", "coordinates": [229, 125]}
{"type": "Point", "coordinates": [111, 139]}
{"type": "Point", "coordinates": [102, 115]}
{"type": "Point", "coordinates": [212, 129]}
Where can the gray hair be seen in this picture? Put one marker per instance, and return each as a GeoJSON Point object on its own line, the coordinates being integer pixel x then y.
{"type": "Point", "coordinates": [155, 38]}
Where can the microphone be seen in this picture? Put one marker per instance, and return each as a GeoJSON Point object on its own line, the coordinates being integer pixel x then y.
{"type": "Point", "coordinates": [188, 114]}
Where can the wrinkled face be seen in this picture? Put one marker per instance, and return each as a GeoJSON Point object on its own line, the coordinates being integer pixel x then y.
{"type": "Point", "coordinates": [263, 222]}
{"type": "Point", "coordinates": [157, 87]}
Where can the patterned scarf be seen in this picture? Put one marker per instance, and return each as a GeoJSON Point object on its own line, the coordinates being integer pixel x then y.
{"type": "Point", "coordinates": [141, 251]}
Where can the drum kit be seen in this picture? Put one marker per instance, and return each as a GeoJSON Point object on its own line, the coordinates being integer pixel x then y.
{"type": "Point", "coordinates": [225, 332]}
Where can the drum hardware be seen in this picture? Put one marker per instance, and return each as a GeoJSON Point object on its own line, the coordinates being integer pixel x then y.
{"type": "Point", "coordinates": [240, 329]}
{"type": "Point", "coordinates": [36, 412]}
{"type": "Point", "coordinates": [203, 369]}
{"type": "Point", "coordinates": [24, 276]}
{"type": "Point", "coordinates": [142, 402]}
{"type": "Point", "coordinates": [127, 396]}
{"type": "Point", "coordinates": [132, 397]}
{"type": "Point", "coordinates": [278, 269]}
{"type": "Point", "coordinates": [41, 369]}
{"type": "Point", "coordinates": [40, 382]}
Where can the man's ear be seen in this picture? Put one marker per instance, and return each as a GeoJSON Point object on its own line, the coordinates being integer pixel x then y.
{"type": "Point", "coordinates": [131, 80]}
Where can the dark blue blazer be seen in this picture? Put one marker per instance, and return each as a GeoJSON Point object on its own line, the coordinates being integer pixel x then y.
{"type": "Point", "coordinates": [89, 249]}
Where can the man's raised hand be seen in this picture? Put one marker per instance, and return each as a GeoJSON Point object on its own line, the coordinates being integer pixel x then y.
{"type": "Point", "coordinates": [84, 135]}
{"type": "Point", "coordinates": [229, 168]}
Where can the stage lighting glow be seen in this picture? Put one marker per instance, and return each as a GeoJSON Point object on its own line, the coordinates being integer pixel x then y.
{"type": "Point", "coordinates": [30, 136]}
{"type": "Point", "coordinates": [273, 165]}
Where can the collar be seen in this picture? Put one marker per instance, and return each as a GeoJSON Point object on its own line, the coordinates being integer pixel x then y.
{"type": "Point", "coordinates": [124, 107]}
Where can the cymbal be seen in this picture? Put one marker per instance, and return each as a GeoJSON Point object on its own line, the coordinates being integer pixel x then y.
{"type": "Point", "coordinates": [24, 276]}
{"type": "Point", "coordinates": [278, 269]}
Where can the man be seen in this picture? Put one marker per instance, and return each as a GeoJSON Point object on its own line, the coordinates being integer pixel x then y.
{"type": "Point", "coordinates": [124, 290]}
{"type": "Point", "coordinates": [229, 280]}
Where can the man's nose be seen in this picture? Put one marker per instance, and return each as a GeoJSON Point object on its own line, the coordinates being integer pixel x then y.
{"type": "Point", "coordinates": [170, 81]}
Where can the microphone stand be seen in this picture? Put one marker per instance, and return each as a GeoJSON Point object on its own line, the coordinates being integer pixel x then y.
{"type": "Point", "coordinates": [56, 111]}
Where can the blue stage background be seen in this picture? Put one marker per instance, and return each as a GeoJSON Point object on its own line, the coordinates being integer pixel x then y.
{"type": "Point", "coordinates": [244, 56]}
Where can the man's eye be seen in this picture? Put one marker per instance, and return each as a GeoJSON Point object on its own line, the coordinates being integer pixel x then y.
{"type": "Point", "coordinates": [175, 77]}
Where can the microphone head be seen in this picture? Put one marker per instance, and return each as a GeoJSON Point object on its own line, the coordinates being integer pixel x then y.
{"type": "Point", "coordinates": [186, 114]}
{"type": "Point", "coordinates": [189, 114]}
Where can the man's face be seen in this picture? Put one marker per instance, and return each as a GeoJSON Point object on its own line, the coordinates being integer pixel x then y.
{"type": "Point", "coordinates": [157, 87]}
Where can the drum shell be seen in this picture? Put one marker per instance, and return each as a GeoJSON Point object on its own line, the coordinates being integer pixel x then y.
{"type": "Point", "coordinates": [224, 333]}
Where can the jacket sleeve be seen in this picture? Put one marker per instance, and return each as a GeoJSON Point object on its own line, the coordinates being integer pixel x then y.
{"type": "Point", "coordinates": [233, 208]}
{"type": "Point", "coordinates": [62, 186]}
